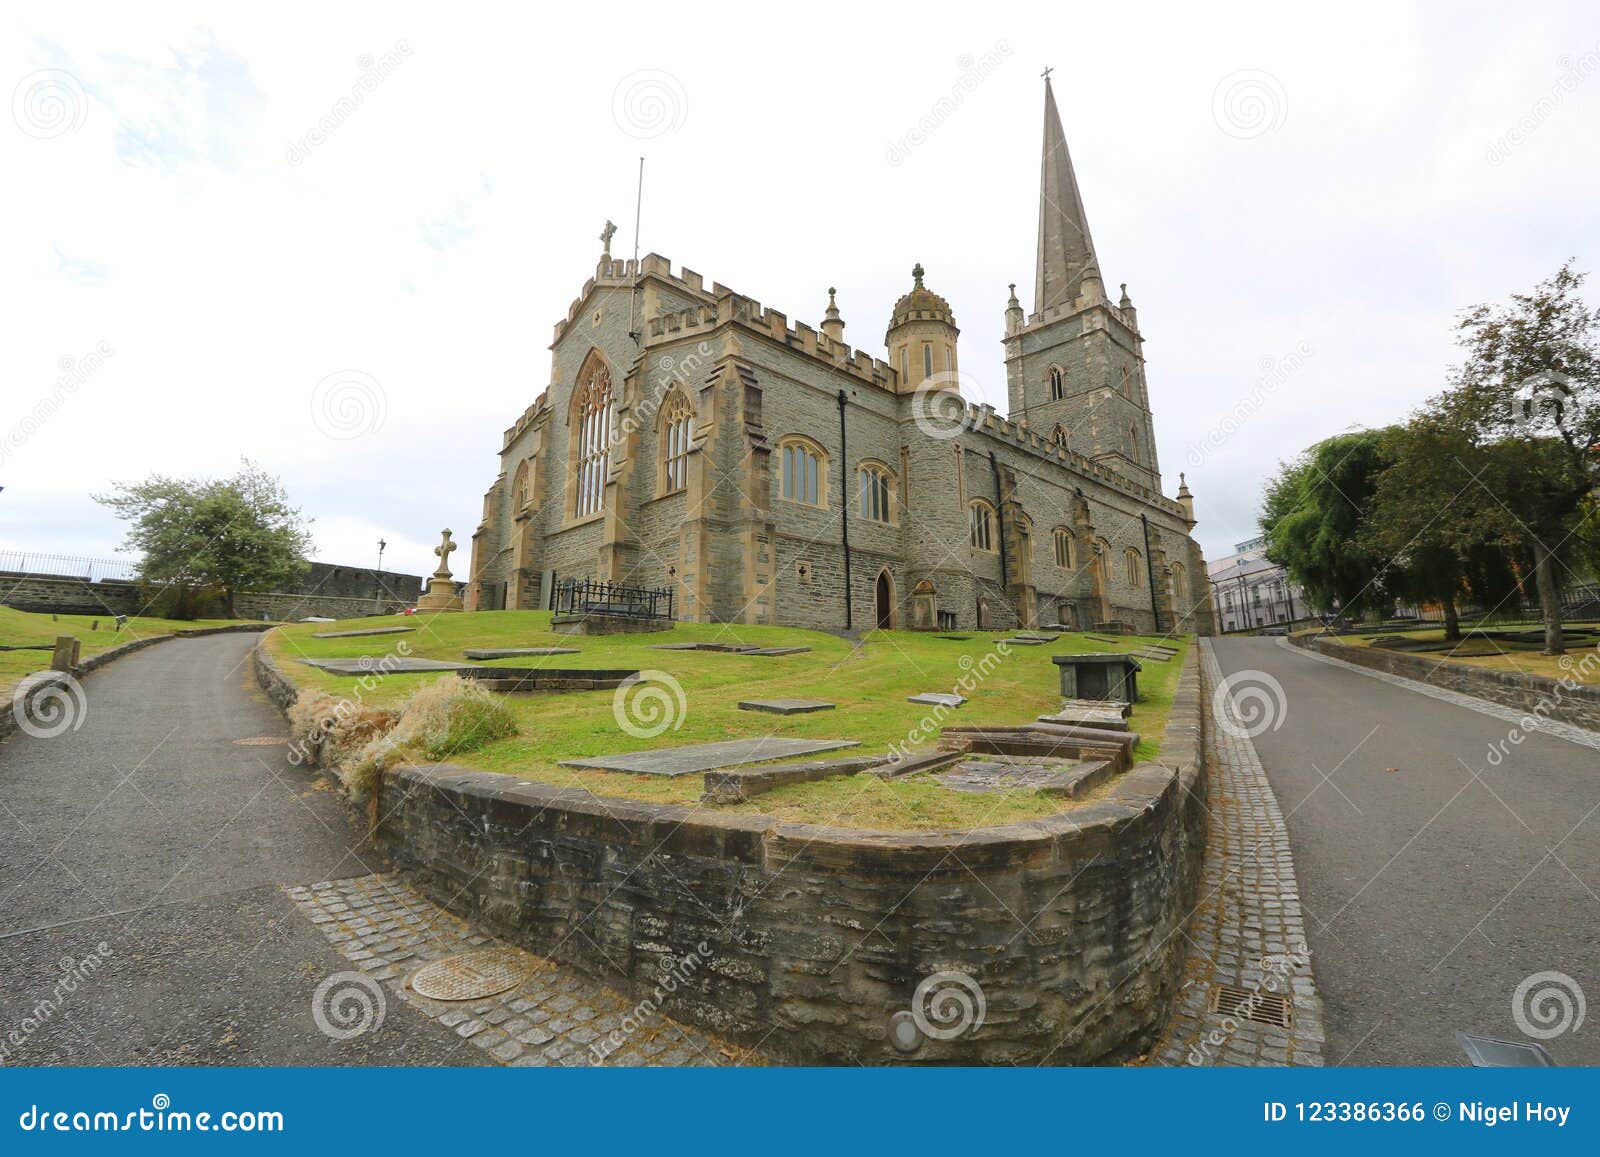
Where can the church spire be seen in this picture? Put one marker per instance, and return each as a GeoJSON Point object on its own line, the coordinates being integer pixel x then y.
{"type": "Point", "coordinates": [1065, 248]}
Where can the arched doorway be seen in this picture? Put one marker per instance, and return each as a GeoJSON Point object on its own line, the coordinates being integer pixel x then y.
{"type": "Point", "coordinates": [885, 601]}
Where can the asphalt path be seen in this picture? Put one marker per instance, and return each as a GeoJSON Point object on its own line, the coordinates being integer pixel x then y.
{"type": "Point", "coordinates": [143, 857]}
{"type": "Point", "coordinates": [1435, 882]}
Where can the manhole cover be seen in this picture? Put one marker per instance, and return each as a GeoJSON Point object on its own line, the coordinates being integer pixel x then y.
{"type": "Point", "coordinates": [261, 741]}
{"type": "Point", "coordinates": [473, 975]}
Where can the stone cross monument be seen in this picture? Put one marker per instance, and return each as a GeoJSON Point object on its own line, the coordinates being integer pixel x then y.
{"type": "Point", "coordinates": [441, 594]}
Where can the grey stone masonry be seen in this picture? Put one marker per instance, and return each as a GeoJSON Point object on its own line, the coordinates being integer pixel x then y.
{"type": "Point", "coordinates": [557, 1017]}
{"type": "Point", "coordinates": [1247, 930]}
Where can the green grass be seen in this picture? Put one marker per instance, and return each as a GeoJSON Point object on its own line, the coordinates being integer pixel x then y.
{"type": "Point", "coordinates": [22, 627]}
{"type": "Point", "coordinates": [1580, 661]}
{"type": "Point", "coordinates": [870, 683]}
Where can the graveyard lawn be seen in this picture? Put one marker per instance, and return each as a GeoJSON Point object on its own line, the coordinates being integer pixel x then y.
{"type": "Point", "coordinates": [869, 682]}
{"type": "Point", "coordinates": [21, 628]}
{"type": "Point", "coordinates": [1581, 662]}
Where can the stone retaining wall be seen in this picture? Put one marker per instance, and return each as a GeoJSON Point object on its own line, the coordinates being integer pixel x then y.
{"type": "Point", "coordinates": [1069, 926]}
{"type": "Point", "coordinates": [1565, 702]}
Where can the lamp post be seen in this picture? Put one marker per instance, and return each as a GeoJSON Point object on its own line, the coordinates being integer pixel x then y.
{"type": "Point", "coordinates": [377, 580]}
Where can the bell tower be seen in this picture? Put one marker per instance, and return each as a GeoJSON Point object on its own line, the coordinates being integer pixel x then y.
{"type": "Point", "coordinates": [1075, 365]}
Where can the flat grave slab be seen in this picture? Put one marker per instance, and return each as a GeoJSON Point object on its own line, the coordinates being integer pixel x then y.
{"type": "Point", "coordinates": [1103, 638]}
{"type": "Point", "coordinates": [513, 652]}
{"type": "Point", "coordinates": [938, 699]}
{"type": "Point", "coordinates": [386, 664]}
{"type": "Point", "coordinates": [769, 651]}
{"type": "Point", "coordinates": [1026, 641]}
{"type": "Point", "coordinates": [696, 757]}
{"type": "Point", "coordinates": [1057, 778]}
{"type": "Point", "coordinates": [954, 638]}
{"type": "Point", "coordinates": [785, 706]}
{"type": "Point", "coordinates": [360, 633]}
{"type": "Point", "coordinates": [1106, 720]}
{"type": "Point", "coordinates": [1041, 636]}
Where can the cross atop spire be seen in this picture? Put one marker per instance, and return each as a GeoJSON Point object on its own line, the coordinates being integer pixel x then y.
{"type": "Point", "coordinates": [1046, 73]}
{"type": "Point", "coordinates": [1066, 250]}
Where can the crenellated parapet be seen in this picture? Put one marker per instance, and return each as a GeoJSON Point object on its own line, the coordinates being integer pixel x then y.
{"type": "Point", "coordinates": [730, 308]}
{"type": "Point", "coordinates": [984, 419]}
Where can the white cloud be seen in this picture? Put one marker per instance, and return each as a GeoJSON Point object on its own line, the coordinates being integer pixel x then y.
{"type": "Point", "coordinates": [435, 234]}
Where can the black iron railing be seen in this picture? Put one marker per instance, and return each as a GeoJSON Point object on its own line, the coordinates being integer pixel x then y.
{"type": "Point", "coordinates": [592, 597]}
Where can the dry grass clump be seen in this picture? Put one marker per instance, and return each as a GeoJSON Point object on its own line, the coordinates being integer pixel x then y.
{"type": "Point", "coordinates": [440, 719]}
{"type": "Point", "coordinates": [333, 732]}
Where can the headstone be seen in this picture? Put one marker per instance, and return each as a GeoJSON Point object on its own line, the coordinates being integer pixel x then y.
{"type": "Point", "coordinates": [938, 699]}
{"type": "Point", "coordinates": [696, 757]}
{"type": "Point", "coordinates": [65, 656]}
{"type": "Point", "coordinates": [785, 706]}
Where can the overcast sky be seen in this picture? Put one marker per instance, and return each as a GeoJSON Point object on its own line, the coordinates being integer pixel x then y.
{"type": "Point", "coordinates": [1300, 202]}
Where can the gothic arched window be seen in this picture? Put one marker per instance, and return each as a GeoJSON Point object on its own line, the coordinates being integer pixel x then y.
{"type": "Point", "coordinates": [981, 525]}
{"type": "Point", "coordinates": [875, 491]}
{"type": "Point", "coordinates": [802, 471]}
{"type": "Point", "coordinates": [1065, 555]}
{"type": "Point", "coordinates": [677, 427]}
{"type": "Point", "coordinates": [519, 488]}
{"type": "Point", "coordinates": [592, 449]}
{"type": "Point", "coordinates": [1133, 443]}
{"type": "Point", "coordinates": [1131, 559]}
{"type": "Point", "coordinates": [1057, 385]}
{"type": "Point", "coordinates": [1058, 436]}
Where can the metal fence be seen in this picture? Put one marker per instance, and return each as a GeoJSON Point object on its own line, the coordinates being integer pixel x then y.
{"type": "Point", "coordinates": [68, 565]}
{"type": "Point", "coordinates": [593, 597]}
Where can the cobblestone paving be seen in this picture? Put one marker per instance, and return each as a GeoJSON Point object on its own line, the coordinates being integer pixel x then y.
{"type": "Point", "coordinates": [1526, 720]}
{"type": "Point", "coordinates": [559, 1016]}
{"type": "Point", "coordinates": [1248, 929]}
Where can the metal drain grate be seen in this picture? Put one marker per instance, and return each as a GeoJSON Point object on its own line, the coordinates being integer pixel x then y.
{"type": "Point", "coordinates": [1252, 1004]}
{"type": "Point", "coordinates": [473, 975]}
{"type": "Point", "coordinates": [261, 741]}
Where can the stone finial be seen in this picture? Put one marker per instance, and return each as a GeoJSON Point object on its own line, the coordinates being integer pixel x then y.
{"type": "Point", "coordinates": [606, 235]}
{"type": "Point", "coordinates": [916, 274]}
{"type": "Point", "coordinates": [832, 323]}
{"type": "Point", "coordinates": [1126, 301]}
{"type": "Point", "coordinates": [1014, 315]}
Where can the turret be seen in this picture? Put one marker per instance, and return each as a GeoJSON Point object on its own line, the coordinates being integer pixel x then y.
{"type": "Point", "coordinates": [922, 337]}
{"type": "Point", "coordinates": [1129, 314]}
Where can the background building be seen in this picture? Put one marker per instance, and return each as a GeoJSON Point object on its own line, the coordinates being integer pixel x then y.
{"type": "Point", "coordinates": [1248, 590]}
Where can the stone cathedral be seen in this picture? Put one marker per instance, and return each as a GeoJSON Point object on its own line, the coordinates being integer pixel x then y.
{"type": "Point", "coordinates": [691, 438]}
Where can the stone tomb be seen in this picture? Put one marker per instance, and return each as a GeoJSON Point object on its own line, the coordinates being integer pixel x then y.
{"type": "Point", "coordinates": [1099, 676]}
{"type": "Point", "coordinates": [697, 757]}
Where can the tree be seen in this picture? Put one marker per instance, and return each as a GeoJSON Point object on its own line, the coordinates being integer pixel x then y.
{"type": "Point", "coordinates": [207, 538]}
{"type": "Point", "coordinates": [1412, 521]}
{"type": "Point", "coordinates": [1527, 397]}
{"type": "Point", "coordinates": [1313, 517]}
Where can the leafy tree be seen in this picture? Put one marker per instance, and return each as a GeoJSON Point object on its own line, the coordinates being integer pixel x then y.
{"type": "Point", "coordinates": [211, 539]}
{"type": "Point", "coordinates": [1527, 397]}
{"type": "Point", "coordinates": [1411, 520]}
{"type": "Point", "coordinates": [1313, 516]}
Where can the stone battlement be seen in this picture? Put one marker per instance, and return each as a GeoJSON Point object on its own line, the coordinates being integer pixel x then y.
{"type": "Point", "coordinates": [730, 307]}
{"type": "Point", "coordinates": [984, 419]}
